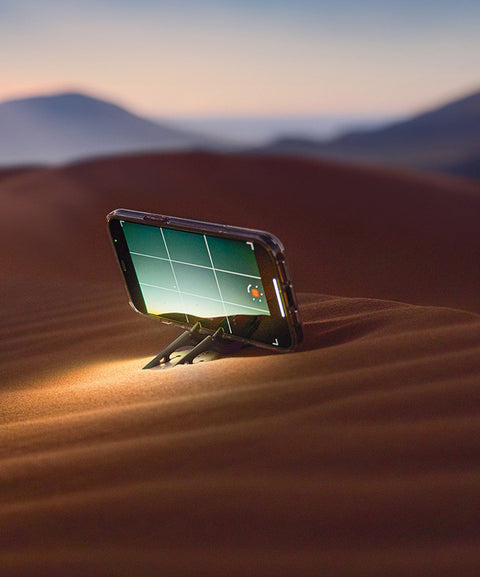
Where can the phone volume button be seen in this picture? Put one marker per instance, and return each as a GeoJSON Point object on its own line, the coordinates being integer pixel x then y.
{"type": "Point", "coordinates": [287, 288]}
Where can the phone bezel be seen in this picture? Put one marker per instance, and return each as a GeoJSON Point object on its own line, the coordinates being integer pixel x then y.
{"type": "Point", "coordinates": [268, 241]}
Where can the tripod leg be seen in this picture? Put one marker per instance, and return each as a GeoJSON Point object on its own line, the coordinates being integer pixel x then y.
{"type": "Point", "coordinates": [204, 345]}
{"type": "Point", "coordinates": [185, 338]}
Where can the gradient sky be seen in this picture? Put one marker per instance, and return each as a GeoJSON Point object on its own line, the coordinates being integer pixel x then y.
{"type": "Point", "coordinates": [244, 56]}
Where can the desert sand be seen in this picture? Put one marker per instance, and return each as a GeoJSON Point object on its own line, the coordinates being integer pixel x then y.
{"type": "Point", "coordinates": [356, 455]}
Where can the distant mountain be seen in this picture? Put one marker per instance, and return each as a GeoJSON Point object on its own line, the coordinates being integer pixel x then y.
{"type": "Point", "coordinates": [63, 127]}
{"type": "Point", "coordinates": [439, 139]}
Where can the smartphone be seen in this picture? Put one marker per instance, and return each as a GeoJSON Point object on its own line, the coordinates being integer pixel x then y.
{"type": "Point", "coordinates": [185, 271]}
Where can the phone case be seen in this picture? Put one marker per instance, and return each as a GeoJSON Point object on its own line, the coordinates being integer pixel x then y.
{"type": "Point", "coordinates": [268, 240]}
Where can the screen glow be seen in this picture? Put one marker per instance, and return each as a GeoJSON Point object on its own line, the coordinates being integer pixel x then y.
{"type": "Point", "coordinates": [279, 298]}
{"type": "Point", "coordinates": [195, 274]}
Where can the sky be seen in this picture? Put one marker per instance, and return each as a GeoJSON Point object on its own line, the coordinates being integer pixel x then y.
{"type": "Point", "coordinates": [234, 57]}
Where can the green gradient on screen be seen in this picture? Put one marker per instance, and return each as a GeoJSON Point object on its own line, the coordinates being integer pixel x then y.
{"type": "Point", "coordinates": [195, 274]}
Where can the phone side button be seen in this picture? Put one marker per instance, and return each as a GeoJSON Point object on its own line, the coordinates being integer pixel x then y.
{"type": "Point", "coordinates": [287, 288]}
{"type": "Point", "coordinates": [296, 316]}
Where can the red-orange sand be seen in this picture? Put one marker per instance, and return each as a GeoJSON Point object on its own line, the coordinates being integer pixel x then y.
{"type": "Point", "coordinates": [358, 455]}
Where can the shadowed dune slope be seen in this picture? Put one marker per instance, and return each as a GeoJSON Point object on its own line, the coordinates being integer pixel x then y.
{"type": "Point", "coordinates": [348, 231]}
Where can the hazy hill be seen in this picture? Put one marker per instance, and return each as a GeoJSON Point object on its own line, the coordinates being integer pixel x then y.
{"type": "Point", "coordinates": [469, 168]}
{"type": "Point", "coordinates": [63, 127]}
{"type": "Point", "coordinates": [439, 139]}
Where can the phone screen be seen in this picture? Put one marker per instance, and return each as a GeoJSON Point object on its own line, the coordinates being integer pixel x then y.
{"type": "Point", "coordinates": [187, 277]}
{"type": "Point", "coordinates": [195, 274]}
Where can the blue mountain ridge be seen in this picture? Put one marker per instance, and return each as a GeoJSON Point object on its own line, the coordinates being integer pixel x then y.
{"type": "Point", "coordinates": [63, 127]}
{"type": "Point", "coordinates": [445, 138]}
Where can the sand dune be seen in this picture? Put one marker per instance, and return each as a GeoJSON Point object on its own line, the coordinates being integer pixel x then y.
{"type": "Point", "coordinates": [348, 231]}
{"type": "Point", "coordinates": [357, 455]}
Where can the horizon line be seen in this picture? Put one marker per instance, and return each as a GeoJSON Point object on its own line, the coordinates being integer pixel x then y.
{"type": "Point", "coordinates": [117, 100]}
